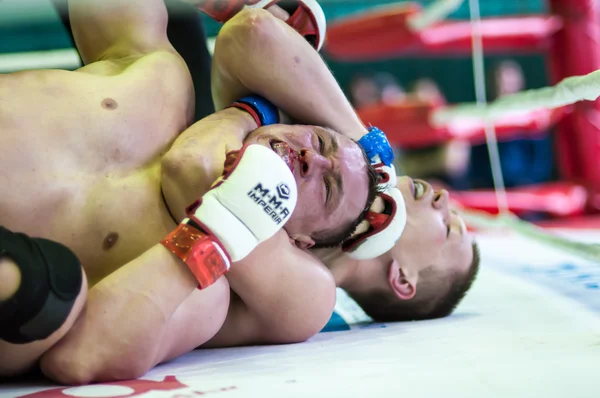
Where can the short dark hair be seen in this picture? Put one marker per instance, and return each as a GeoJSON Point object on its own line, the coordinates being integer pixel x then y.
{"type": "Point", "coordinates": [335, 237]}
{"type": "Point", "coordinates": [430, 305]}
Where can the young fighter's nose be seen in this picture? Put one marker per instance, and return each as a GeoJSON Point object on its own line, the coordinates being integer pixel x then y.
{"type": "Point", "coordinates": [312, 163]}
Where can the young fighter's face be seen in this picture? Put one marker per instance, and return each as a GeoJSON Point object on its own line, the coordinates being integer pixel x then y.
{"type": "Point", "coordinates": [434, 236]}
{"type": "Point", "coordinates": [432, 252]}
{"type": "Point", "coordinates": [332, 178]}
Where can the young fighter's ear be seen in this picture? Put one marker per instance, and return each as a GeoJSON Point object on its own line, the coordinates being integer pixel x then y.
{"type": "Point", "coordinates": [402, 281]}
{"type": "Point", "coordinates": [303, 242]}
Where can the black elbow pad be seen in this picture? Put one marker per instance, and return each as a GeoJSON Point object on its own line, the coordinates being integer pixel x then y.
{"type": "Point", "coordinates": [51, 279]}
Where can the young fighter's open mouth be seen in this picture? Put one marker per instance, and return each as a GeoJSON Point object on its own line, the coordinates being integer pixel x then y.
{"type": "Point", "coordinates": [286, 153]}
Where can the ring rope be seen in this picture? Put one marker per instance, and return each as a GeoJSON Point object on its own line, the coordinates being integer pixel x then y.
{"type": "Point", "coordinates": [436, 12]}
{"type": "Point", "coordinates": [568, 91]}
{"type": "Point", "coordinates": [588, 251]}
{"type": "Point", "coordinates": [481, 102]}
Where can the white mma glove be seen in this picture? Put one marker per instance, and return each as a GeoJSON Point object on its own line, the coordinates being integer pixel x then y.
{"type": "Point", "coordinates": [251, 202]}
{"type": "Point", "coordinates": [306, 16]}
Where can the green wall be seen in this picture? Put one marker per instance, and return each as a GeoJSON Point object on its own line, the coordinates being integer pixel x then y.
{"type": "Point", "coordinates": [32, 25]}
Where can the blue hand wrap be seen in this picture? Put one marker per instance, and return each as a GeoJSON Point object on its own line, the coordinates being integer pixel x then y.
{"type": "Point", "coordinates": [265, 110]}
{"type": "Point", "coordinates": [376, 143]}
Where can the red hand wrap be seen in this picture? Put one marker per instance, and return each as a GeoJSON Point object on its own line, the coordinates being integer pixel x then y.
{"type": "Point", "coordinates": [201, 253]}
{"type": "Point", "coordinates": [223, 10]}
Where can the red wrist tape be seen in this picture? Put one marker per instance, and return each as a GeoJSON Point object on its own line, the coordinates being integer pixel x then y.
{"type": "Point", "coordinates": [200, 252]}
{"type": "Point", "coordinates": [249, 109]}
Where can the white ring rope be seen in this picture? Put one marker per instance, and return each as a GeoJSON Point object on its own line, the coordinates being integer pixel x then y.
{"type": "Point", "coordinates": [588, 251]}
{"type": "Point", "coordinates": [52, 59]}
{"type": "Point", "coordinates": [566, 92]}
{"type": "Point", "coordinates": [481, 102]}
{"type": "Point", "coordinates": [434, 13]}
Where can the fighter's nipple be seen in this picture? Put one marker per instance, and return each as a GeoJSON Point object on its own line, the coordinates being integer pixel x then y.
{"type": "Point", "coordinates": [110, 241]}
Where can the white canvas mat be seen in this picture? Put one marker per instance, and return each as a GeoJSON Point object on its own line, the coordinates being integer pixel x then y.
{"type": "Point", "coordinates": [529, 328]}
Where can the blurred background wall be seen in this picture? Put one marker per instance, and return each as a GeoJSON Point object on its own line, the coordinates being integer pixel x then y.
{"type": "Point", "coordinates": [32, 25]}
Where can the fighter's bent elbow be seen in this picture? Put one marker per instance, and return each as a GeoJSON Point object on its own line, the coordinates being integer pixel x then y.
{"type": "Point", "coordinates": [309, 318]}
{"type": "Point", "coordinates": [65, 369]}
{"type": "Point", "coordinates": [249, 28]}
{"type": "Point", "coordinates": [321, 304]}
{"type": "Point", "coordinates": [318, 317]}
{"type": "Point", "coordinates": [251, 20]}
{"type": "Point", "coordinates": [80, 370]}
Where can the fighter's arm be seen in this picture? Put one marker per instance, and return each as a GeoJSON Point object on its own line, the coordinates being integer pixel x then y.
{"type": "Point", "coordinates": [258, 53]}
{"type": "Point", "coordinates": [128, 324]}
{"type": "Point", "coordinates": [282, 295]}
{"type": "Point", "coordinates": [197, 156]}
{"type": "Point", "coordinates": [110, 29]}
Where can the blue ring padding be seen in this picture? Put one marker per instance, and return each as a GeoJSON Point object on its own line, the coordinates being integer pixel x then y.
{"type": "Point", "coordinates": [376, 143]}
{"type": "Point", "coordinates": [267, 112]}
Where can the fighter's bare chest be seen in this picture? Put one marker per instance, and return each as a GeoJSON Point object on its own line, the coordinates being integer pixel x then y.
{"type": "Point", "coordinates": [114, 220]}
{"type": "Point", "coordinates": [107, 219]}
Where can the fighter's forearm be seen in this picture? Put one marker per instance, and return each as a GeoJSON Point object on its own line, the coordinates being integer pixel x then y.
{"type": "Point", "coordinates": [120, 332]}
{"type": "Point", "coordinates": [115, 28]}
{"type": "Point", "coordinates": [284, 303]}
{"type": "Point", "coordinates": [258, 53]}
{"type": "Point", "coordinates": [197, 156]}
{"type": "Point", "coordinates": [232, 122]}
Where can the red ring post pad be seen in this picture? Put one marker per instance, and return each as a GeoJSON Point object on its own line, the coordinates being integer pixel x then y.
{"type": "Point", "coordinates": [382, 34]}
{"type": "Point", "coordinates": [200, 252]}
{"type": "Point", "coordinates": [575, 52]}
{"type": "Point", "coordinates": [559, 199]}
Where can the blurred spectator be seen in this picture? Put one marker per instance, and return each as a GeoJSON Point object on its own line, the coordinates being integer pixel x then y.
{"type": "Point", "coordinates": [364, 92]}
{"type": "Point", "coordinates": [506, 78]}
{"type": "Point", "coordinates": [390, 90]}
{"type": "Point", "coordinates": [379, 88]}
{"type": "Point", "coordinates": [427, 90]}
{"type": "Point", "coordinates": [447, 164]}
{"type": "Point", "coordinates": [525, 160]}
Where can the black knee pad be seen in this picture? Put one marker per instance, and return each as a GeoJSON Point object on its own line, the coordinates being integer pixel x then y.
{"type": "Point", "coordinates": [51, 280]}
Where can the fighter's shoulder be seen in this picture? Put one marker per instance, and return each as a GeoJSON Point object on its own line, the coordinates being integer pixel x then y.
{"type": "Point", "coordinates": [159, 74]}
{"type": "Point", "coordinates": [165, 62]}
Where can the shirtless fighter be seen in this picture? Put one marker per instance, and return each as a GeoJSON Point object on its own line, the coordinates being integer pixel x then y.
{"type": "Point", "coordinates": [105, 335]}
{"type": "Point", "coordinates": [94, 177]}
{"type": "Point", "coordinates": [435, 252]}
